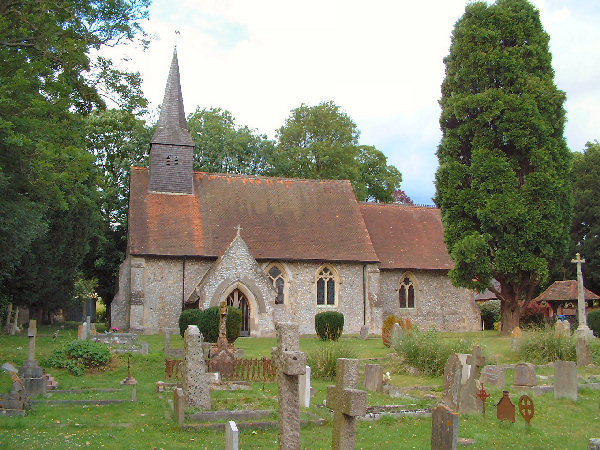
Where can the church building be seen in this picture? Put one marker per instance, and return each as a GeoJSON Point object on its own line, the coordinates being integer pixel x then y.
{"type": "Point", "coordinates": [278, 248]}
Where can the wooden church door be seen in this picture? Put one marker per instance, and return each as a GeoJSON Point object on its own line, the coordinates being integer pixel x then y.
{"type": "Point", "coordinates": [237, 299]}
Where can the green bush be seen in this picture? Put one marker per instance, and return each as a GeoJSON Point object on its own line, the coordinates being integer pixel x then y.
{"type": "Point", "coordinates": [77, 356]}
{"type": "Point", "coordinates": [329, 325]}
{"type": "Point", "coordinates": [427, 351]}
{"type": "Point", "coordinates": [490, 313]}
{"type": "Point", "coordinates": [208, 321]}
{"type": "Point", "coordinates": [323, 358]}
{"type": "Point", "coordinates": [542, 346]}
{"type": "Point", "coordinates": [593, 319]}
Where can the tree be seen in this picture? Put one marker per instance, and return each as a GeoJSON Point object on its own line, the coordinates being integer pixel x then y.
{"type": "Point", "coordinates": [503, 182]}
{"type": "Point", "coordinates": [48, 82]}
{"type": "Point", "coordinates": [321, 142]}
{"type": "Point", "coordinates": [585, 231]}
{"type": "Point", "coordinates": [223, 147]}
{"type": "Point", "coordinates": [401, 197]}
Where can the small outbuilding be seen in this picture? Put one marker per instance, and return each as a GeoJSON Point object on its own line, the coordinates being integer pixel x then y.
{"type": "Point", "coordinates": [561, 298]}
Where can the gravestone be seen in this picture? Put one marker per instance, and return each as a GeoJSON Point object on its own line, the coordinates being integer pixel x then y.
{"type": "Point", "coordinates": [584, 356]}
{"type": "Point", "coordinates": [232, 437]}
{"type": "Point", "coordinates": [373, 380]}
{"type": "Point", "coordinates": [562, 328]}
{"type": "Point", "coordinates": [524, 375]}
{"type": "Point", "coordinates": [466, 368]}
{"type": "Point", "coordinates": [515, 341]}
{"type": "Point", "coordinates": [493, 376]}
{"type": "Point", "coordinates": [30, 373]}
{"type": "Point", "coordinates": [347, 403]}
{"type": "Point", "coordinates": [444, 433]}
{"type": "Point", "coordinates": [452, 382]}
{"type": "Point", "coordinates": [195, 383]}
{"type": "Point", "coordinates": [565, 380]}
{"type": "Point", "coordinates": [505, 409]}
{"type": "Point", "coordinates": [15, 325]}
{"type": "Point", "coordinates": [468, 401]}
{"type": "Point", "coordinates": [167, 343]}
{"type": "Point", "coordinates": [397, 333]}
{"type": "Point", "coordinates": [86, 330]}
{"type": "Point", "coordinates": [290, 363]}
{"type": "Point", "coordinates": [8, 316]}
{"type": "Point", "coordinates": [222, 355]}
{"type": "Point", "coordinates": [364, 332]}
{"type": "Point", "coordinates": [304, 388]}
{"type": "Point", "coordinates": [145, 348]}
{"type": "Point", "coordinates": [179, 405]}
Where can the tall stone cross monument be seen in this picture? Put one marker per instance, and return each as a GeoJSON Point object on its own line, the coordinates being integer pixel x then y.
{"type": "Point", "coordinates": [347, 403]}
{"type": "Point", "coordinates": [32, 374]}
{"type": "Point", "coordinates": [290, 363]}
{"type": "Point", "coordinates": [582, 330]}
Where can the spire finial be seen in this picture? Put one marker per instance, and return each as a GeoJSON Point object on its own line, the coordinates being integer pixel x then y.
{"type": "Point", "coordinates": [239, 229]}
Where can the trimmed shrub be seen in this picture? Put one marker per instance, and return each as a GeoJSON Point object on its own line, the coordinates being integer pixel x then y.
{"type": "Point", "coordinates": [427, 351]}
{"type": "Point", "coordinates": [208, 321]}
{"type": "Point", "coordinates": [542, 346]}
{"type": "Point", "coordinates": [593, 319]}
{"type": "Point", "coordinates": [388, 325]}
{"type": "Point", "coordinates": [323, 358]}
{"type": "Point", "coordinates": [329, 325]}
{"type": "Point", "coordinates": [490, 313]}
{"type": "Point", "coordinates": [77, 356]}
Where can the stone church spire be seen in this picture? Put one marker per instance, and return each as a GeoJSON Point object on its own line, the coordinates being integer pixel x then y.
{"type": "Point", "coordinates": [171, 147]}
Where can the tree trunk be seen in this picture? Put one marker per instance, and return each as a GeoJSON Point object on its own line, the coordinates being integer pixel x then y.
{"type": "Point", "coordinates": [8, 316]}
{"type": "Point", "coordinates": [510, 313]}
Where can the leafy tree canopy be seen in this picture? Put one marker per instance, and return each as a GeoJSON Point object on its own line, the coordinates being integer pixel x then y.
{"type": "Point", "coordinates": [503, 182]}
{"type": "Point", "coordinates": [321, 142]}
{"type": "Point", "coordinates": [585, 231]}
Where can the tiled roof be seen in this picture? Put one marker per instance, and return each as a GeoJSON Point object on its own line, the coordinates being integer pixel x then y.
{"type": "Point", "coordinates": [564, 291]}
{"type": "Point", "coordinates": [172, 126]}
{"type": "Point", "coordinates": [406, 237]}
{"type": "Point", "coordinates": [285, 219]}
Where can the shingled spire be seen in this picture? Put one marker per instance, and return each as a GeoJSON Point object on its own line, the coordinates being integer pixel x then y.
{"type": "Point", "coordinates": [172, 148]}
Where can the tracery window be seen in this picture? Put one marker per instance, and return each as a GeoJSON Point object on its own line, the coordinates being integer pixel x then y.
{"type": "Point", "coordinates": [406, 293]}
{"type": "Point", "coordinates": [326, 287]}
{"type": "Point", "coordinates": [277, 277]}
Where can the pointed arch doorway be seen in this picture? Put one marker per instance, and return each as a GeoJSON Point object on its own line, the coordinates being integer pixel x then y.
{"type": "Point", "coordinates": [238, 299]}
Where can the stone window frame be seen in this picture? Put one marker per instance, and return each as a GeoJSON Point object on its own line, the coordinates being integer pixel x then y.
{"type": "Point", "coordinates": [336, 279]}
{"type": "Point", "coordinates": [284, 276]}
{"type": "Point", "coordinates": [415, 284]}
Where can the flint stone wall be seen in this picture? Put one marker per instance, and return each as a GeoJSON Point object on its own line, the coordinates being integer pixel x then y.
{"type": "Point", "coordinates": [437, 302]}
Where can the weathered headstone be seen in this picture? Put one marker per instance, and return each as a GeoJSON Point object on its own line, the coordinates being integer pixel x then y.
{"type": "Point", "coordinates": [562, 328]}
{"type": "Point", "coordinates": [452, 382]}
{"type": "Point", "coordinates": [290, 363]}
{"type": "Point", "coordinates": [466, 368]}
{"type": "Point", "coordinates": [373, 380]}
{"type": "Point", "coordinates": [30, 373]}
{"type": "Point", "coordinates": [167, 343]}
{"type": "Point", "coordinates": [86, 330]}
{"type": "Point", "coordinates": [232, 437]}
{"type": "Point", "coordinates": [468, 401]}
{"type": "Point", "coordinates": [222, 356]}
{"type": "Point", "coordinates": [195, 384]}
{"type": "Point", "coordinates": [145, 348]}
{"type": "Point", "coordinates": [304, 388]}
{"type": "Point", "coordinates": [397, 333]}
{"type": "Point", "coordinates": [364, 331]}
{"type": "Point", "coordinates": [15, 325]}
{"type": "Point", "coordinates": [505, 409]}
{"type": "Point", "coordinates": [565, 380]}
{"type": "Point", "coordinates": [493, 376]}
{"type": "Point", "coordinates": [584, 356]}
{"type": "Point", "coordinates": [444, 434]}
{"type": "Point", "coordinates": [347, 403]}
{"type": "Point", "coordinates": [524, 375]}
{"type": "Point", "coordinates": [179, 405]}
{"type": "Point", "coordinates": [515, 341]}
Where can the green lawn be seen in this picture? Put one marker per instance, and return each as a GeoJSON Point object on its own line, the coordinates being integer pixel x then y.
{"type": "Point", "coordinates": [149, 424]}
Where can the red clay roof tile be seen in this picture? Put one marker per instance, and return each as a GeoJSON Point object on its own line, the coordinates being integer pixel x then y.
{"type": "Point", "coordinates": [564, 291]}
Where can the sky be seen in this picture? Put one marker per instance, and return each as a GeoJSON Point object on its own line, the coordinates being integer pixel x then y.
{"type": "Point", "coordinates": [381, 61]}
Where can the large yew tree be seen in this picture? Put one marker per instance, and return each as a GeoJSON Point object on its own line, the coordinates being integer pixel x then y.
{"type": "Point", "coordinates": [503, 182]}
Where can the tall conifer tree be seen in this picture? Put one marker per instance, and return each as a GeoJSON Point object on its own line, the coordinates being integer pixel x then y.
{"type": "Point", "coordinates": [503, 181]}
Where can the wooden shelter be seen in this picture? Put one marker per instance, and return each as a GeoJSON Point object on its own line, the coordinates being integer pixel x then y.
{"type": "Point", "coordinates": [561, 296]}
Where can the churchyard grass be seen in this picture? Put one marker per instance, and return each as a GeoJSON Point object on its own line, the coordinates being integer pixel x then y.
{"type": "Point", "coordinates": [148, 423]}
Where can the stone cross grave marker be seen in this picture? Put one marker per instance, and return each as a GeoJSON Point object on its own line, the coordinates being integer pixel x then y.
{"type": "Point", "coordinates": [584, 356]}
{"type": "Point", "coordinates": [373, 378]}
{"type": "Point", "coordinates": [466, 368]}
{"type": "Point", "coordinates": [444, 434]}
{"type": "Point", "coordinates": [347, 403]}
{"type": "Point", "coordinates": [565, 380]}
{"type": "Point", "coordinates": [179, 405]}
{"type": "Point", "coordinates": [582, 330]}
{"type": "Point", "coordinates": [30, 373]}
{"type": "Point", "coordinates": [304, 388]}
{"type": "Point", "coordinates": [290, 363]}
{"type": "Point", "coordinates": [232, 436]}
{"type": "Point", "coordinates": [195, 382]}
{"type": "Point", "coordinates": [476, 361]}
{"type": "Point", "coordinates": [452, 382]}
